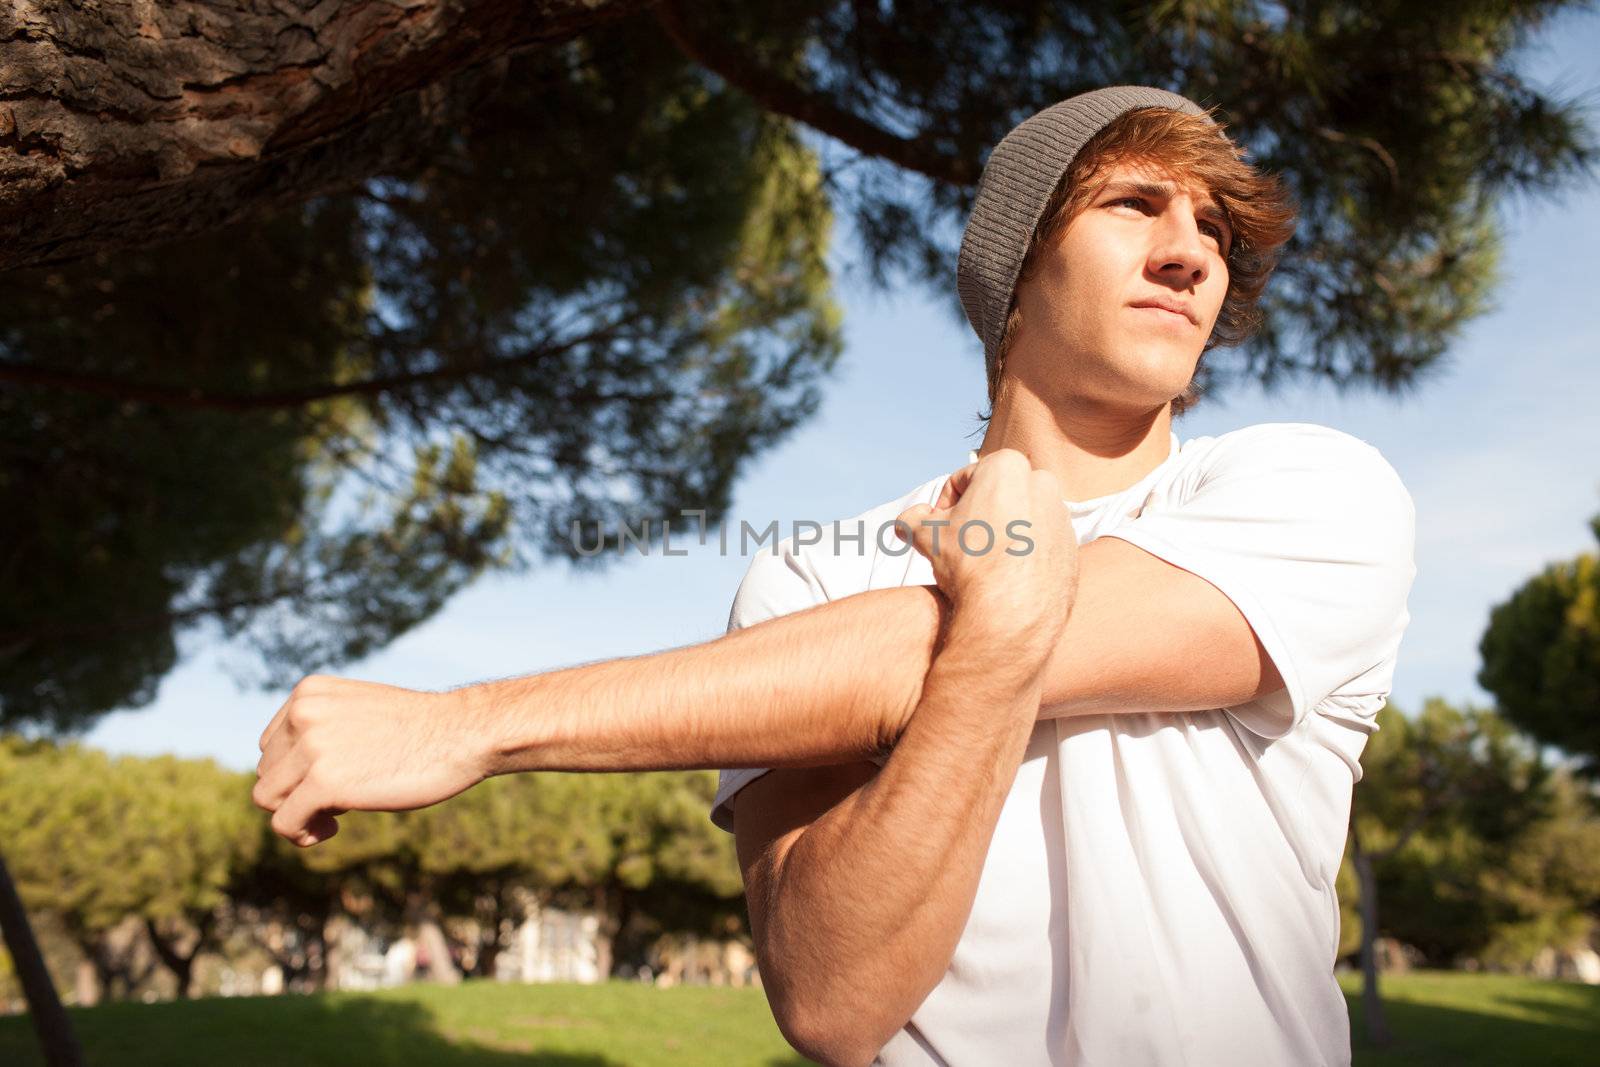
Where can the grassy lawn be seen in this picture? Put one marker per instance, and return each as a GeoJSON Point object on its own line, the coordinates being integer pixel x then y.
{"type": "Point", "coordinates": [477, 1024]}
{"type": "Point", "coordinates": [1444, 1017]}
{"type": "Point", "coordinates": [1438, 1018]}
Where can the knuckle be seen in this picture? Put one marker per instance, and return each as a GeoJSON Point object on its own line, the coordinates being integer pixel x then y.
{"type": "Point", "coordinates": [311, 683]}
{"type": "Point", "coordinates": [302, 713]}
{"type": "Point", "coordinates": [1007, 457]}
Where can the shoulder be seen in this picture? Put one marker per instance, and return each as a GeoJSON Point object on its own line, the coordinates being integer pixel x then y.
{"type": "Point", "coordinates": [1308, 437]}
{"type": "Point", "coordinates": [1294, 436]}
{"type": "Point", "coordinates": [1287, 487]}
{"type": "Point", "coordinates": [1308, 455]}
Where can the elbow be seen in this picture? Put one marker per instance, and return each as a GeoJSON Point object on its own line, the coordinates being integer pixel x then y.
{"type": "Point", "coordinates": [833, 1036]}
{"type": "Point", "coordinates": [833, 1042]}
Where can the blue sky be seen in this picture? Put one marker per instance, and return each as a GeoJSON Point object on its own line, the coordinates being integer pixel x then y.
{"type": "Point", "coordinates": [1501, 453]}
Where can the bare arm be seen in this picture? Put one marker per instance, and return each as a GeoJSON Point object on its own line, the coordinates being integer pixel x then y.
{"type": "Point", "coordinates": [820, 687]}
{"type": "Point", "coordinates": [832, 684]}
{"type": "Point", "coordinates": [838, 682]}
{"type": "Point", "coordinates": [855, 917]}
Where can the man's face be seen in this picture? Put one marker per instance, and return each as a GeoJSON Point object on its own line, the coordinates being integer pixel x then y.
{"type": "Point", "coordinates": [1144, 237]}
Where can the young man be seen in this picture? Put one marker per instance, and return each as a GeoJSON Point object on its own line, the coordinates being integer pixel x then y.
{"type": "Point", "coordinates": [1071, 806]}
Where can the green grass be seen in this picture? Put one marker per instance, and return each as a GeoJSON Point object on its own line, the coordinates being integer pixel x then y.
{"type": "Point", "coordinates": [1466, 1020]}
{"type": "Point", "coordinates": [476, 1024]}
{"type": "Point", "coordinates": [1462, 1020]}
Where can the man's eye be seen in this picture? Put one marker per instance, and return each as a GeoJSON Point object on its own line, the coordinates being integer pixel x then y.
{"type": "Point", "coordinates": [1220, 237]}
{"type": "Point", "coordinates": [1215, 230]}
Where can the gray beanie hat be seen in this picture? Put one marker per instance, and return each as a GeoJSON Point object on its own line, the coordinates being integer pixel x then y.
{"type": "Point", "coordinates": [1021, 173]}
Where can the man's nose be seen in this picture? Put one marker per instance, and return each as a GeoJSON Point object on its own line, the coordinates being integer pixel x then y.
{"type": "Point", "coordinates": [1179, 249]}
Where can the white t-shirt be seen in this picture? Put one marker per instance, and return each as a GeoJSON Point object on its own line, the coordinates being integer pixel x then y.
{"type": "Point", "coordinates": [1160, 886]}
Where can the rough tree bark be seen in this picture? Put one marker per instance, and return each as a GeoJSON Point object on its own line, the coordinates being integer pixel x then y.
{"type": "Point", "coordinates": [131, 121]}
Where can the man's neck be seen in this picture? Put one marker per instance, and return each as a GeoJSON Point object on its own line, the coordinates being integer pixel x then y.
{"type": "Point", "coordinates": [1092, 450]}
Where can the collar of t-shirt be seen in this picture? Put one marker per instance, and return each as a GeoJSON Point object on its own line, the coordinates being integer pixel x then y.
{"type": "Point", "coordinates": [1084, 507]}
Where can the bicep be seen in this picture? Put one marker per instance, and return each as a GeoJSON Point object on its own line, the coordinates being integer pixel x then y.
{"type": "Point", "coordinates": [1146, 635]}
{"type": "Point", "coordinates": [771, 813]}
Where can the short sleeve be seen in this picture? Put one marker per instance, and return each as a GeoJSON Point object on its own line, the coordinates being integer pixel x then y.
{"type": "Point", "coordinates": [773, 585]}
{"type": "Point", "coordinates": [1311, 533]}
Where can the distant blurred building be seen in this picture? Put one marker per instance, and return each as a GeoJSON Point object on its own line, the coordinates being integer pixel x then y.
{"type": "Point", "coordinates": [553, 945]}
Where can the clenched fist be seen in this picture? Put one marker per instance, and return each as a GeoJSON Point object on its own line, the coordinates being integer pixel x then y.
{"type": "Point", "coordinates": [1003, 550]}
{"type": "Point", "coordinates": [338, 745]}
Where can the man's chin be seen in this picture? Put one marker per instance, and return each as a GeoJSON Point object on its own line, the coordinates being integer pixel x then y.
{"type": "Point", "coordinates": [1161, 375]}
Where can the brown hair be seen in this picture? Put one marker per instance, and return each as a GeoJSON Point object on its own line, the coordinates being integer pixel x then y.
{"type": "Point", "coordinates": [1260, 209]}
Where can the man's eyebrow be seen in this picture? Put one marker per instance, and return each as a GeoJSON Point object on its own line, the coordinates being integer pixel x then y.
{"type": "Point", "coordinates": [1165, 191]}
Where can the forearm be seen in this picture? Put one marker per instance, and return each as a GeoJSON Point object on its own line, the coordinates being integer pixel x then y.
{"type": "Point", "coordinates": [832, 684]}
{"type": "Point", "coordinates": [868, 904]}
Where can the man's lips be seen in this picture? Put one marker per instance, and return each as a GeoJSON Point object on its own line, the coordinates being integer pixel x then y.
{"type": "Point", "coordinates": [1175, 311]}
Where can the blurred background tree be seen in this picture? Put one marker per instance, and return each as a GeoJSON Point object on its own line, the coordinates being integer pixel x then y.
{"type": "Point", "coordinates": [1541, 657]}
{"type": "Point", "coordinates": [315, 428]}
{"type": "Point", "coordinates": [1461, 832]}
{"type": "Point", "coordinates": [177, 846]}
{"type": "Point", "coordinates": [291, 899]}
{"type": "Point", "coordinates": [94, 840]}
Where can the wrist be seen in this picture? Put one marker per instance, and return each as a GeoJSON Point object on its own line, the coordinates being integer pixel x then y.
{"type": "Point", "coordinates": [1024, 638]}
{"type": "Point", "coordinates": [997, 661]}
{"type": "Point", "coordinates": [497, 741]}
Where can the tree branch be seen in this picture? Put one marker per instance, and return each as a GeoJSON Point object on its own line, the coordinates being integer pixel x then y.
{"type": "Point", "coordinates": [815, 109]}
{"type": "Point", "coordinates": [200, 399]}
{"type": "Point", "coordinates": [13, 642]}
{"type": "Point", "coordinates": [1370, 144]}
{"type": "Point", "coordinates": [178, 963]}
